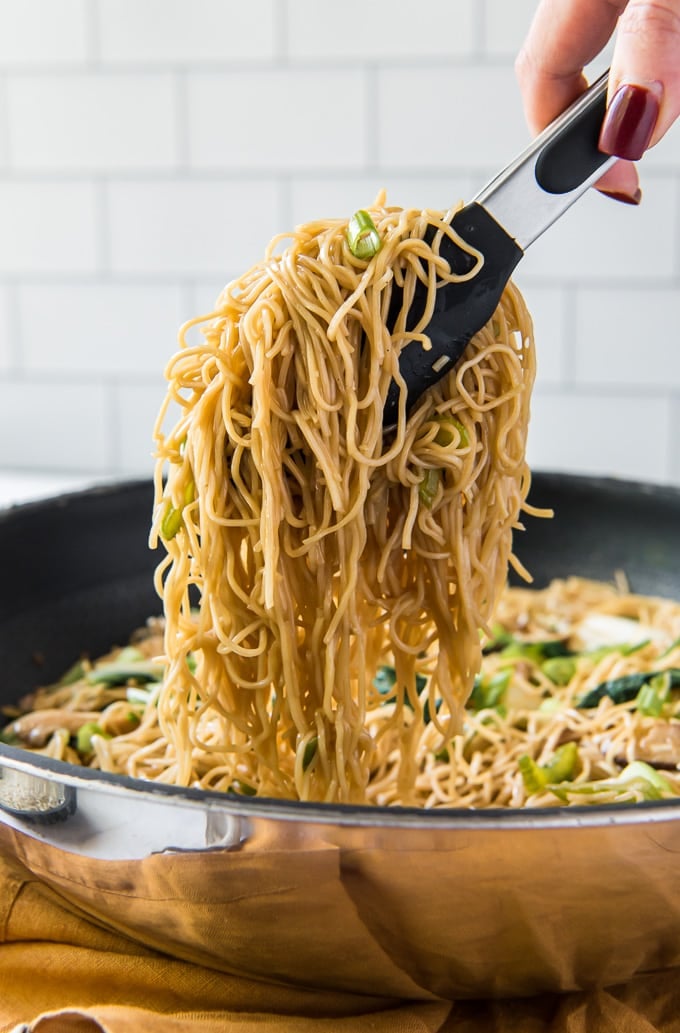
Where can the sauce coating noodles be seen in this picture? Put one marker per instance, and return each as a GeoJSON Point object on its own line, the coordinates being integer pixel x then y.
{"type": "Point", "coordinates": [319, 549]}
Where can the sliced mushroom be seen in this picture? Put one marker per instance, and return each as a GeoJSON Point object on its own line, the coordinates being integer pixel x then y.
{"type": "Point", "coordinates": [36, 728]}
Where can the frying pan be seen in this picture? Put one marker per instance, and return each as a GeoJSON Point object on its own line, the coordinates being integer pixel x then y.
{"type": "Point", "coordinates": [391, 902]}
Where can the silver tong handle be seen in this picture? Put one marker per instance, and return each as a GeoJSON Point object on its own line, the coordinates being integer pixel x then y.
{"type": "Point", "coordinates": [553, 172]}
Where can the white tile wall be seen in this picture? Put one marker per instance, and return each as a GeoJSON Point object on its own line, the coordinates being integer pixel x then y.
{"type": "Point", "coordinates": [380, 30]}
{"type": "Point", "coordinates": [298, 119]}
{"type": "Point", "coordinates": [92, 122]}
{"type": "Point", "coordinates": [150, 148]}
{"type": "Point", "coordinates": [43, 32]}
{"type": "Point", "coordinates": [5, 332]}
{"type": "Point", "coordinates": [627, 434]}
{"type": "Point", "coordinates": [156, 32]}
{"type": "Point", "coordinates": [431, 117]}
{"type": "Point", "coordinates": [48, 227]}
{"type": "Point", "coordinates": [54, 424]}
{"type": "Point", "coordinates": [102, 329]}
{"type": "Point", "coordinates": [191, 227]}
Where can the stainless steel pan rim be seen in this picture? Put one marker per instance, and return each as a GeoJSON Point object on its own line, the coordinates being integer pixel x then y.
{"type": "Point", "coordinates": [347, 815]}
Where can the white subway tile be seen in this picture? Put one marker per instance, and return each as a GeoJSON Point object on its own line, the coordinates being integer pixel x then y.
{"type": "Point", "coordinates": [34, 32]}
{"type": "Point", "coordinates": [204, 295]}
{"type": "Point", "coordinates": [54, 426]}
{"type": "Point", "coordinates": [601, 238]}
{"type": "Point", "coordinates": [625, 435]}
{"type": "Point", "coordinates": [380, 29]}
{"type": "Point", "coordinates": [273, 120]}
{"type": "Point", "coordinates": [92, 122]}
{"type": "Point", "coordinates": [202, 228]}
{"type": "Point", "coordinates": [628, 336]}
{"type": "Point", "coordinates": [548, 311]}
{"type": "Point", "coordinates": [339, 197]}
{"type": "Point", "coordinates": [105, 329]}
{"type": "Point", "coordinates": [506, 25]}
{"type": "Point", "coordinates": [47, 227]}
{"type": "Point", "coordinates": [5, 345]}
{"type": "Point", "coordinates": [460, 118]}
{"type": "Point", "coordinates": [136, 406]}
{"type": "Point", "coordinates": [182, 31]}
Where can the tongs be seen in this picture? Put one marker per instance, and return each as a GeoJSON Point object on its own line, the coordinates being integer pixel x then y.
{"type": "Point", "coordinates": [500, 222]}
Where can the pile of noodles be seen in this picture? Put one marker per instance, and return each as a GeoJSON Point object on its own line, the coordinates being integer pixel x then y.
{"type": "Point", "coordinates": [305, 546]}
{"type": "Point", "coordinates": [316, 546]}
{"type": "Point", "coordinates": [547, 723]}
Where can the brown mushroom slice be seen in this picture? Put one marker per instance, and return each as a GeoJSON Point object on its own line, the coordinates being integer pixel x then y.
{"type": "Point", "coordinates": [659, 744]}
{"type": "Point", "coordinates": [35, 728]}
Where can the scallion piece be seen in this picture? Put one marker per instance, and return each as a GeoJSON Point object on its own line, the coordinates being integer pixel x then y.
{"type": "Point", "coordinates": [561, 768]}
{"type": "Point", "coordinates": [362, 236]}
{"type": "Point", "coordinates": [310, 753]}
{"type": "Point", "coordinates": [559, 669]}
{"type": "Point", "coordinates": [450, 430]}
{"type": "Point", "coordinates": [85, 735]}
{"type": "Point", "coordinates": [651, 698]}
{"type": "Point", "coordinates": [427, 490]}
{"type": "Point", "coordinates": [172, 518]}
{"type": "Point", "coordinates": [117, 673]}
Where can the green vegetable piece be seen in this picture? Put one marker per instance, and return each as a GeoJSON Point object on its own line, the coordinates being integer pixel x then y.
{"type": "Point", "coordinates": [74, 674]}
{"type": "Point", "coordinates": [427, 713]}
{"type": "Point", "coordinates": [428, 487]}
{"type": "Point", "coordinates": [171, 523]}
{"type": "Point", "coordinates": [117, 673]}
{"type": "Point", "coordinates": [310, 753]}
{"type": "Point", "coordinates": [537, 652]}
{"type": "Point", "coordinates": [450, 430]}
{"type": "Point", "coordinates": [173, 519]}
{"type": "Point", "coordinates": [533, 776]}
{"type": "Point", "coordinates": [134, 694]}
{"type": "Point", "coordinates": [639, 771]}
{"type": "Point", "coordinates": [85, 734]}
{"type": "Point", "coordinates": [501, 638]}
{"type": "Point", "coordinates": [488, 692]}
{"type": "Point", "coordinates": [551, 705]}
{"type": "Point", "coordinates": [639, 776]}
{"type": "Point", "coordinates": [8, 737]}
{"type": "Point", "coordinates": [560, 669]}
{"type": "Point", "coordinates": [561, 768]}
{"type": "Point", "coordinates": [239, 788]}
{"type": "Point", "coordinates": [625, 688]}
{"type": "Point", "coordinates": [362, 236]}
{"type": "Point", "coordinates": [385, 680]}
{"type": "Point", "coordinates": [652, 696]}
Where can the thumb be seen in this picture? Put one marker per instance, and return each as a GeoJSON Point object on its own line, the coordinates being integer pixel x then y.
{"type": "Point", "coordinates": [644, 82]}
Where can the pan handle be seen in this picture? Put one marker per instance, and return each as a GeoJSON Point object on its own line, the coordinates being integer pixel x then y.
{"type": "Point", "coordinates": [30, 798]}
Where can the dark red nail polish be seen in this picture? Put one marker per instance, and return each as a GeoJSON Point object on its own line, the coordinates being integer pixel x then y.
{"type": "Point", "coordinates": [618, 195]}
{"type": "Point", "coordinates": [630, 120]}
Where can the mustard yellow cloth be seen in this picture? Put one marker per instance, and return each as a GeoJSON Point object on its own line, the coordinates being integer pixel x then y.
{"type": "Point", "coordinates": [61, 973]}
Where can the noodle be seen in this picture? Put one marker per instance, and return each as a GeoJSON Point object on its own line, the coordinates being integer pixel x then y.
{"type": "Point", "coordinates": [336, 623]}
{"type": "Point", "coordinates": [307, 548]}
{"type": "Point", "coordinates": [539, 729]}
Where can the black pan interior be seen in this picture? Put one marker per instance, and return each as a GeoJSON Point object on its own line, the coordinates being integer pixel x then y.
{"type": "Point", "coordinates": [78, 572]}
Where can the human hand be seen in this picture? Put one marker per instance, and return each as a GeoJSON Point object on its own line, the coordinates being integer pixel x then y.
{"type": "Point", "coordinates": [644, 83]}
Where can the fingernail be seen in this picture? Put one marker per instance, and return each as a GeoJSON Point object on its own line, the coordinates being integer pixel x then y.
{"type": "Point", "coordinates": [619, 195]}
{"type": "Point", "coordinates": [630, 120]}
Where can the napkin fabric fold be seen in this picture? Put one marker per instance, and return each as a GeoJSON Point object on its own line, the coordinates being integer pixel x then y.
{"type": "Point", "coordinates": [63, 973]}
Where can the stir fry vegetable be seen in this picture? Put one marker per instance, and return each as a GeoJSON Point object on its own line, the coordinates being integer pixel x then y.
{"type": "Point", "coordinates": [565, 710]}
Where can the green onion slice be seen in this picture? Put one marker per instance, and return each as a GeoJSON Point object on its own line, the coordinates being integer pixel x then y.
{"type": "Point", "coordinates": [362, 236]}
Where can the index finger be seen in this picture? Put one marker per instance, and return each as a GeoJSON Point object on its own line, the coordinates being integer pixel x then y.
{"type": "Point", "coordinates": [564, 36]}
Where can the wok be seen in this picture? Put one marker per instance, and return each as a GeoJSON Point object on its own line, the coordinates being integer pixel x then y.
{"type": "Point", "coordinates": [398, 903]}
